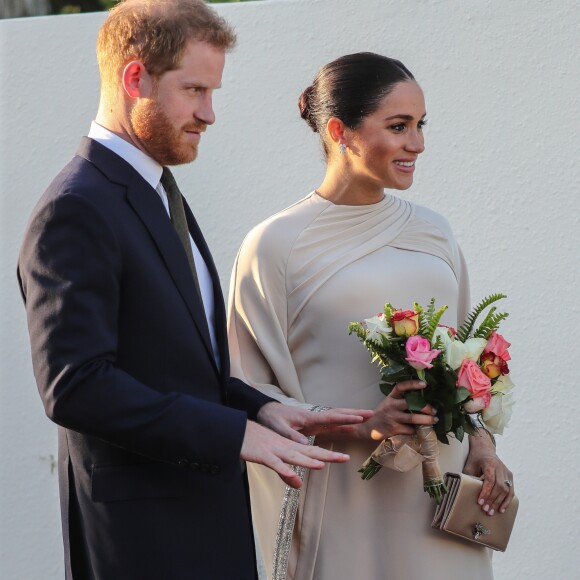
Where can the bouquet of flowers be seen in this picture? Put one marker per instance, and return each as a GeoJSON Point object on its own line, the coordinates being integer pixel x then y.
{"type": "Point", "coordinates": [466, 373]}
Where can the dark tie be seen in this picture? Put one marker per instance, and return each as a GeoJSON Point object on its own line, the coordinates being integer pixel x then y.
{"type": "Point", "coordinates": [179, 221]}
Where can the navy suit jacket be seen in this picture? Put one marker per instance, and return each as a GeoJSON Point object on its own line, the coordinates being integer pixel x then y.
{"type": "Point", "coordinates": [150, 429]}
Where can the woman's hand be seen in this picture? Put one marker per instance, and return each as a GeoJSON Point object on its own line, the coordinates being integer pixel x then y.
{"type": "Point", "coordinates": [391, 416]}
{"type": "Point", "coordinates": [498, 489]}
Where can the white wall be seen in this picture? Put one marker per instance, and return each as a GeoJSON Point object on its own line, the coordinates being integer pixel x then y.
{"type": "Point", "coordinates": [501, 163]}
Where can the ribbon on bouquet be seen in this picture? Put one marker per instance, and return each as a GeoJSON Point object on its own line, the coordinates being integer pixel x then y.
{"type": "Point", "coordinates": [404, 452]}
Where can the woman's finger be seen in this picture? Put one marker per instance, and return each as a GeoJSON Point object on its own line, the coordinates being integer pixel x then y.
{"type": "Point", "coordinates": [506, 502]}
{"type": "Point", "coordinates": [422, 419]}
{"type": "Point", "coordinates": [403, 387]}
{"type": "Point", "coordinates": [497, 490]}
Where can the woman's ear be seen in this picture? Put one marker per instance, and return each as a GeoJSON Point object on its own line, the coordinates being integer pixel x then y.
{"type": "Point", "coordinates": [137, 82]}
{"type": "Point", "coordinates": [336, 131]}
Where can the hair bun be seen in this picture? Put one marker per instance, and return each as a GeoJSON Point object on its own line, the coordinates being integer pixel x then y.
{"type": "Point", "coordinates": [305, 106]}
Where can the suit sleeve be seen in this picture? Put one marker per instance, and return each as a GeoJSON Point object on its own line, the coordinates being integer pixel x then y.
{"type": "Point", "coordinates": [242, 396]}
{"type": "Point", "coordinates": [70, 271]}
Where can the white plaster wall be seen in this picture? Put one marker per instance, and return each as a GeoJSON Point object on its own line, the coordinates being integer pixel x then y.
{"type": "Point", "coordinates": [501, 163]}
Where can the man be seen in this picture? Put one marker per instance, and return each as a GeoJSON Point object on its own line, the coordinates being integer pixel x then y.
{"type": "Point", "coordinates": [127, 325]}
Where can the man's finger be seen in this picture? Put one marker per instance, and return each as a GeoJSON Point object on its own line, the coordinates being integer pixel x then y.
{"type": "Point", "coordinates": [285, 472]}
{"type": "Point", "coordinates": [339, 417]}
{"type": "Point", "coordinates": [321, 454]}
{"type": "Point", "coordinates": [364, 413]}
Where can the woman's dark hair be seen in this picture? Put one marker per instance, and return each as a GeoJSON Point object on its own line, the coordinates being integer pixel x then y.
{"type": "Point", "coordinates": [350, 88]}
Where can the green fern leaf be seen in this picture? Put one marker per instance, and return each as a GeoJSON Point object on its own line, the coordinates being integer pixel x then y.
{"type": "Point", "coordinates": [466, 328]}
{"type": "Point", "coordinates": [490, 324]}
{"type": "Point", "coordinates": [433, 323]}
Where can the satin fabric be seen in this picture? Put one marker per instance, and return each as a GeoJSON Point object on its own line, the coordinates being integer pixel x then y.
{"type": "Point", "coordinates": [299, 279]}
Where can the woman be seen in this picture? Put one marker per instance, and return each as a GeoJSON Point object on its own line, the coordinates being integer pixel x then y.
{"type": "Point", "coordinates": [301, 276]}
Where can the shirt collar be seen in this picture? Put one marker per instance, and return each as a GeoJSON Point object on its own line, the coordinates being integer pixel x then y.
{"type": "Point", "coordinates": [146, 166]}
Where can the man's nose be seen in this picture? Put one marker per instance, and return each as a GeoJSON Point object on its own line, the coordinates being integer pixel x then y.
{"type": "Point", "coordinates": [206, 113]}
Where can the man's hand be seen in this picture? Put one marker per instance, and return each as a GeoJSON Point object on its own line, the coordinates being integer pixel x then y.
{"type": "Point", "coordinates": [296, 423]}
{"type": "Point", "coordinates": [496, 493]}
{"type": "Point", "coordinates": [282, 439]}
{"type": "Point", "coordinates": [262, 445]}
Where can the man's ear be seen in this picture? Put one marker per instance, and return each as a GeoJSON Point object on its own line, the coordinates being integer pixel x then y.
{"type": "Point", "coordinates": [137, 82]}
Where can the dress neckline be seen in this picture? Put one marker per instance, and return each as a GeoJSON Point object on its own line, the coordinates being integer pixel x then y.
{"type": "Point", "coordinates": [387, 201]}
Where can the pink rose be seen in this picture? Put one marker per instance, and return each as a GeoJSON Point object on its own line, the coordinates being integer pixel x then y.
{"type": "Point", "coordinates": [419, 353]}
{"type": "Point", "coordinates": [405, 322]}
{"type": "Point", "coordinates": [493, 366]}
{"type": "Point", "coordinates": [498, 345]}
{"type": "Point", "coordinates": [473, 379]}
{"type": "Point", "coordinates": [478, 404]}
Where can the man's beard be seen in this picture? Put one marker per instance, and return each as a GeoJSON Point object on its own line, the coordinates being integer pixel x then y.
{"type": "Point", "coordinates": [159, 137]}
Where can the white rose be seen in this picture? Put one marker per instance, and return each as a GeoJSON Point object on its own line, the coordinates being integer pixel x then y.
{"type": "Point", "coordinates": [503, 385]}
{"type": "Point", "coordinates": [498, 414]}
{"type": "Point", "coordinates": [377, 328]}
{"type": "Point", "coordinates": [442, 333]}
{"type": "Point", "coordinates": [458, 351]}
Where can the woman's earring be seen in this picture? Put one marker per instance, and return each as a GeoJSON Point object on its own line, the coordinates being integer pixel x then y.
{"type": "Point", "coordinates": [342, 148]}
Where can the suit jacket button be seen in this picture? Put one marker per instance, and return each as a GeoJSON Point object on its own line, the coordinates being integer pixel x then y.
{"type": "Point", "coordinates": [195, 466]}
{"type": "Point", "coordinates": [215, 469]}
{"type": "Point", "coordinates": [183, 463]}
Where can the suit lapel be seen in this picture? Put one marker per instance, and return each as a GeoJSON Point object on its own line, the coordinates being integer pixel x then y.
{"type": "Point", "coordinates": [152, 213]}
{"type": "Point", "coordinates": [146, 203]}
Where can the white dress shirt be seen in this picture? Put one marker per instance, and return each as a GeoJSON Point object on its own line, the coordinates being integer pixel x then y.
{"type": "Point", "coordinates": [151, 172]}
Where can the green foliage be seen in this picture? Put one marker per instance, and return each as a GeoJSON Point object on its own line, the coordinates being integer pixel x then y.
{"type": "Point", "coordinates": [429, 319]}
{"type": "Point", "coordinates": [370, 467]}
{"type": "Point", "coordinates": [388, 311]}
{"type": "Point", "coordinates": [395, 372]}
{"type": "Point", "coordinates": [444, 395]}
{"type": "Point", "coordinates": [466, 328]}
{"type": "Point", "coordinates": [415, 400]}
{"type": "Point", "coordinates": [491, 323]}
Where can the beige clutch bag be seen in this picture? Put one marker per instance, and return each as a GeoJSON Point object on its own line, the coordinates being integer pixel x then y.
{"type": "Point", "coordinates": [460, 514]}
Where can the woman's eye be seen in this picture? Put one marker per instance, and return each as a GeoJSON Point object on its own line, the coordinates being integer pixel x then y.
{"type": "Point", "coordinates": [421, 124]}
{"type": "Point", "coordinates": [398, 128]}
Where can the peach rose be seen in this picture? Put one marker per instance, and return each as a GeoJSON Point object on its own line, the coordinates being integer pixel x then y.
{"type": "Point", "coordinates": [405, 322]}
{"type": "Point", "coordinates": [472, 378]}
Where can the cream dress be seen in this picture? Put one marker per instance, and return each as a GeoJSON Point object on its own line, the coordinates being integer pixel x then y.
{"type": "Point", "coordinates": [299, 279]}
